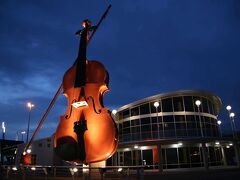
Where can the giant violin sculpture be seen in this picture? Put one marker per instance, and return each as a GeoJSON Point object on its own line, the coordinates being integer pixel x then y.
{"type": "Point", "coordinates": [86, 133]}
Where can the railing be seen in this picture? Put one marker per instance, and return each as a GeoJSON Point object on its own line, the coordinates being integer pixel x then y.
{"type": "Point", "coordinates": [110, 172]}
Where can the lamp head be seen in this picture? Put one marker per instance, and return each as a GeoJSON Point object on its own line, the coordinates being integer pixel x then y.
{"type": "Point", "coordinates": [198, 102]}
{"type": "Point", "coordinates": [229, 108]}
{"type": "Point", "coordinates": [156, 104]}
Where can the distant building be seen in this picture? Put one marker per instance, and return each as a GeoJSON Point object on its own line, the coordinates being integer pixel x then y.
{"type": "Point", "coordinates": [42, 153]}
{"type": "Point", "coordinates": [8, 150]}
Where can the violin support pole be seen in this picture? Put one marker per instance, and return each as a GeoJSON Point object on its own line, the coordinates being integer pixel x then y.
{"type": "Point", "coordinates": [44, 117]}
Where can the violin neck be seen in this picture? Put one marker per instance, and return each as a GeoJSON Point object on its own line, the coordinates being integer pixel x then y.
{"type": "Point", "coordinates": [80, 78]}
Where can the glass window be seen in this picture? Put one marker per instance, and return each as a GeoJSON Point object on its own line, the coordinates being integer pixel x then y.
{"type": "Point", "coordinates": [167, 105]}
{"type": "Point", "coordinates": [169, 129]}
{"type": "Point", "coordinates": [183, 154]}
{"type": "Point", "coordinates": [207, 120]}
{"type": "Point", "coordinates": [120, 114]}
{"type": "Point", "coordinates": [172, 158]}
{"type": "Point", "coordinates": [181, 129]}
{"type": "Point", "coordinates": [135, 111]}
{"type": "Point", "coordinates": [153, 108]}
{"type": "Point", "coordinates": [210, 107]}
{"type": "Point", "coordinates": [135, 129]}
{"type": "Point", "coordinates": [144, 109]}
{"type": "Point", "coordinates": [180, 118]}
{"type": "Point", "coordinates": [180, 126]}
{"type": "Point", "coordinates": [154, 127]}
{"type": "Point", "coordinates": [178, 104]}
{"type": "Point", "coordinates": [125, 114]}
{"type": "Point", "coordinates": [195, 157]}
{"type": "Point", "coordinates": [147, 157]}
{"type": "Point", "coordinates": [137, 161]}
{"type": "Point", "coordinates": [126, 124]}
{"type": "Point", "coordinates": [190, 118]}
{"type": "Point", "coordinates": [135, 122]}
{"type": "Point", "coordinates": [145, 121]}
{"type": "Point", "coordinates": [120, 128]}
{"type": "Point", "coordinates": [168, 119]}
{"type": "Point", "coordinates": [188, 103]}
{"type": "Point", "coordinates": [155, 119]}
{"type": "Point", "coordinates": [126, 131]}
{"type": "Point", "coordinates": [205, 105]}
{"type": "Point", "coordinates": [146, 128]}
{"type": "Point", "coordinates": [127, 158]}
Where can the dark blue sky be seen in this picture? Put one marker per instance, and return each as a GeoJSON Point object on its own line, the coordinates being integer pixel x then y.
{"type": "Point", "coordinates": [148, 47]}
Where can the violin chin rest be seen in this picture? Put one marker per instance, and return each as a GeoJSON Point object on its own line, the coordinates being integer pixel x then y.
{"type": "Point", "coordinates": [66, 148]}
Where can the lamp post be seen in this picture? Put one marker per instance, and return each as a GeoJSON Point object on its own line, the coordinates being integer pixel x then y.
{"type": "Point", "coordinates": [30, 106]}
{"type": "Point", "coordinates": [3, 130]}
{"type": "Point", "coordinates": [198, 103]}
{"type": "Point", "coordinates": [156, 105]}
{"type": "Point", "coordinates": [232, 115]}
{"type": "Point", "coordinates": [219, 125]}
{"type": "Point", "coordinates": [18, 133]}
{"type": "Point", "coordinates": [231, 118]}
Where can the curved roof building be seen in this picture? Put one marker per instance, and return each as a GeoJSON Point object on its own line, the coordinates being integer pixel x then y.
{"type": "Point", "coordinates": [171, 130]}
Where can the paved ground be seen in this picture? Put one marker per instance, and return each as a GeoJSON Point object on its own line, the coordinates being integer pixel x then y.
{"type": "Point", "coordinates": [197, 174]}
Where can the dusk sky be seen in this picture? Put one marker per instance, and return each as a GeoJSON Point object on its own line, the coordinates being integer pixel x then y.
{"type": "Point", "coordinates": [148, 47]}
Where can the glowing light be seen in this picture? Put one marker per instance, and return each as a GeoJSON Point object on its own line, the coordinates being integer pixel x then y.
{"type": "Point", "coordinates": [114, 112]}
{"type": "Point", "coordinates": [14, 168]}
{"type": "Point", "coordinates": [24, 153]}
{"type": "Point", "coordinates": [217, 143]}
{"type": "Point", "coordinates": [33, 168]}
{"type": "Point", "coordinates": [30, 105]}
{"type": "Point", "coordinates": [85, 168]}
{"type": "Point", "coordinates": [3, 127]}
{"type": "Point", "coordinates": [198, 102]}
{"type": "Point", "coordinates": [229, 108]}
{"type": "Point", "coordinates": [120, 169]}
{"type": "Point", "coordinates": [79, 104]}
{"type": "Point", "coordinates": [174, 145]}
{"type": "Point", "coordinates": [75, 169]}
{"type": "Point", "coordinates": [227, 147]}
{"type": "Point", "coordinates": [232, 115]}
{"type": "Point", "coordinates": [29, 151]}
{"type": "Point", "coordinates": [143, 148]}
{"type": "Point", "coordinates": [219, 122]}
{"type": "Point", "coordinates": [180, 144]}
{"type": "Point", "coordinates": [230, 144]}
{"type": "Point", "coordinates": [136, 147]}
{"type": "Point", "coordinates": [156, 104]}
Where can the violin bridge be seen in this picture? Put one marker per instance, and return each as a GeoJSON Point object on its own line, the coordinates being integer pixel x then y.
{"type": "Point", "coordinates": [79, 104]}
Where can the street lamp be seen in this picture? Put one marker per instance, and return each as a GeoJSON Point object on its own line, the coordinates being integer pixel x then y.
{"type": "Point", "coordinates": [229, 108]}
{"type": "Point", "coordinates": [231, 118]}
{"type": "Point", "coordinates": [3, 130]}
{"type": "Point", "coordinates": [156, 105]}
{"type": "Point", "coordinates": [219, 125]}
{"type": "Point", "coordinates": [114, 112]}
{"type": "Point", "coordinates": [232, 115]}
{"type": "Point", "coordinates": [30, 106]}
{"type": "Point", "coordinates": [20, 132]}
{"type": "Point", "coordinates": [198, 103]}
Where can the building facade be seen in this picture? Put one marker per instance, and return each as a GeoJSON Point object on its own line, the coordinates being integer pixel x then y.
{"type": "Point", "coordinates": [171, 130]}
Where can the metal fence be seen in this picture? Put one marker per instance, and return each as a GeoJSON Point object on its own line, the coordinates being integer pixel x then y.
{"type": "Point", "coordinates": [73, 172]}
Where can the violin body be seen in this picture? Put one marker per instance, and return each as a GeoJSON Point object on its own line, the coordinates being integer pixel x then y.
{"type": "Point", "coordinates": [101, 137]}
